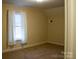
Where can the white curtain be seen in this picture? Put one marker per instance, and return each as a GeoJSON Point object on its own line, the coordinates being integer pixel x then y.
{"type": "Point", "coordinates": [17, 27]}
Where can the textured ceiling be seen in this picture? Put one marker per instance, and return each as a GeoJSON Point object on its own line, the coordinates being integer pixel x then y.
{"type": "Point", "coordinates": [33, 3]}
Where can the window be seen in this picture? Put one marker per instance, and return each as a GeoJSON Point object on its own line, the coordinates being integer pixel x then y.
{"type": "Point", "coordinates": [17, 27]}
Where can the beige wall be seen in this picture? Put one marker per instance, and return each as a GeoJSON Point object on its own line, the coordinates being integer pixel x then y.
{"type": "Point", "coordinates": [36, 21]}
{"type": "Point", "coordinates": [56, 29]}
{"type": "Point", "coordinates": [37, 24]}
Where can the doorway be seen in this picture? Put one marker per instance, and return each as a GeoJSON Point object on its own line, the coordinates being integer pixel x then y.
{"type": "Point", "coordinates": [38, 28]}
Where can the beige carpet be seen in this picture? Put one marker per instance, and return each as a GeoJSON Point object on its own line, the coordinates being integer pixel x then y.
{"type": "Point", "coordinates": [45, 51]}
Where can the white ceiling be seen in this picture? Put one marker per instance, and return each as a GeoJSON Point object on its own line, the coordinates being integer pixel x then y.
{"type": "Point", "coordinates": [33, 3]}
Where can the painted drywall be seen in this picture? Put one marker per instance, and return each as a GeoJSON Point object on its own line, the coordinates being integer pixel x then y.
{"type": "Point", "coordinates": [36, 24]}
{"type": "Point", "coordinates": [56, 28]}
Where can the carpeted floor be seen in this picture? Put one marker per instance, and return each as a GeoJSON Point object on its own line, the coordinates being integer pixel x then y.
{"type": "Point", "coordinates": [45, 51]}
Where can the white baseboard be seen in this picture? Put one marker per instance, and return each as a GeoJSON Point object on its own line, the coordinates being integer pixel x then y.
{"type": "Point", "coordinates": [31, 45]}
{"type": "Point", "coordinates": [61, 44]}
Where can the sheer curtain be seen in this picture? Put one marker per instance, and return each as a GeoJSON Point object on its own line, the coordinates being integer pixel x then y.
{"type": "Point", "coordinates": [17, 27]}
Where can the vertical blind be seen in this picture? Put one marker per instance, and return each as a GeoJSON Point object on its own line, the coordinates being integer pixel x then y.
{"type": "Point", "coordinates": [17, 27]}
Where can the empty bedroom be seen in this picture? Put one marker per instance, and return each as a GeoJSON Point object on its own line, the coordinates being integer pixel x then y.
{"type": "Point", "coordinates": [33, 29]}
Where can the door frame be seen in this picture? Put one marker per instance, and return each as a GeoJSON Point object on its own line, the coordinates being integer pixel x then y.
{"type": "Point", "coordinates": [70, 29]}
